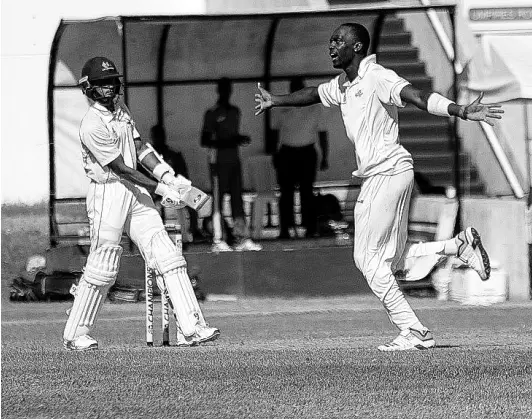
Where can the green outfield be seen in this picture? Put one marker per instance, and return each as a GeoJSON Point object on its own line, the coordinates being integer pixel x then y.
{"type": "Point", "coordinates": [276, 358]}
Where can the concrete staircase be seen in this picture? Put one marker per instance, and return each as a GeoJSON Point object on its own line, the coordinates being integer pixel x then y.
{"type": "Point", "coordinates": [426, 136]}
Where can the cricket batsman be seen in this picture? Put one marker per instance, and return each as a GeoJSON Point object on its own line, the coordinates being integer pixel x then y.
{"type": "Point", "coordinates": [119, 200]}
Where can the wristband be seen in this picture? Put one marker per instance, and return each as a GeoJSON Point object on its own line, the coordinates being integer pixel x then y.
{"type": "Point", "coordinates": [161, 170]}
{"type": "Point", "coordinates": [438, 105]}
{"type": "Point", "coordinates": [161, 189]}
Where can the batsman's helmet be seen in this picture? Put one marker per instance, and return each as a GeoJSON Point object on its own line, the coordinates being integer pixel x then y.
{"type": "Point", "coordinates": [95, 71]}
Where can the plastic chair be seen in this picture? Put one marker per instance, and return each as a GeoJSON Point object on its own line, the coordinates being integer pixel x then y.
{"type": "Point", "coordinates": [261, 180]}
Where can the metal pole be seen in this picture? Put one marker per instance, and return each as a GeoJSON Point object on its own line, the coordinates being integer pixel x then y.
{"type": "Point", "coordinates": [269, 148]}
{"type": "Point", "coordinates": [124, 60]}
{"type": "Point", "coordinates": [160, 76]}
{"type": "Point", "coordinates": [456, 137]}
{"type": "Point", "coordinates": [51, 134]}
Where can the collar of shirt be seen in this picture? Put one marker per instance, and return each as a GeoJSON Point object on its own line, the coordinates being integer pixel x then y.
{"type": "Point", "coordinates": [111, 115]}
{"type": "Point", "coordinates": [362, 69]}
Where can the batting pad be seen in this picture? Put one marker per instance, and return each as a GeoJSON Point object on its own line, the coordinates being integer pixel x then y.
{"type": "Point", "coordinates": [189, 294]}
{"type": "Point", "coordinates": [102, 265]}
{"type": "Point", "coordinates": [87, 302]}
{"type": "Point", "coordinates": [173, 268]}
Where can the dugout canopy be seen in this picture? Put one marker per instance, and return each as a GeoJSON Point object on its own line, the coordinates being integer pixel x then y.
{"type": "Point", "coordinates": [171, 64]}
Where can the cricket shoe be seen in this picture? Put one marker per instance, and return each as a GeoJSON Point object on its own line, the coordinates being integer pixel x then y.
{"type": "Point", "coordinates": [472, 253]}
{"type": "Point", "coordinates": [410, 339]}
{"type": "Point", "coordinates": [81, 343]}
{"type": "Point", "coordinates": [248, 245]}
{"type": "Point", "coordinates": [206, 334]}
{"type": "Point", "coordinates": [221, 246]}
{"type": "Point", "coordinates": [184, 341]}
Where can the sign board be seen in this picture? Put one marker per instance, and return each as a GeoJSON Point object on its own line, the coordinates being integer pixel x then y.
{"type": "Point", "coordinates": [499, 16]}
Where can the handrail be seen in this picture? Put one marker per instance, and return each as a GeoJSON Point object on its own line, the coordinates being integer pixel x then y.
{"type": "Point", "coordinates": [492, 138]}
{"type": "Point", "coordinates": [445, 42]}
{"type": "Point", "coordinates": [495, 144]}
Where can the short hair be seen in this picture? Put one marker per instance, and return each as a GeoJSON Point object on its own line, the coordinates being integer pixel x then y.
{"type": "Point", "coordinates": [360, 33]}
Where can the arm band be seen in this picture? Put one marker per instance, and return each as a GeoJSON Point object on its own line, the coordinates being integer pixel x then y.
{"type": "Point", "coordinates": [161, 168]}
{"type": "Point", "coordinates": [438, 105]}
{"type": "Point", "coordinates": [147, 150]}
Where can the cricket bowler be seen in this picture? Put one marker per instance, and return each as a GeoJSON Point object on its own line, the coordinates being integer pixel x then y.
{"type": "Point", "coordinates": [368, 96]}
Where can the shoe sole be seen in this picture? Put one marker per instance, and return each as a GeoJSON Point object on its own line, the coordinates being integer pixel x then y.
{"type": "Point", "coordinates": [211, 338]}
{"type": "Point", "coordinates": [476, 242]}
{"type": "Point", "coordinates": [419, 347]}
{"type": "Point", "coordinates": [186, 345]}
{"type": "Point", "coordinates": [425, 345]}
{"type": "Point", "coordinates": [88, 348]}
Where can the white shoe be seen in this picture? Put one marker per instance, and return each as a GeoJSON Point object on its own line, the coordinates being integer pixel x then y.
{"type": "Point", "coordinates": [206, 334]}
{"type": "Point", "coordinates": [183, 341]}
{"type": "Point", "coordinates": [472, 253]}
{"type": "Point", "coordinates": [248, 245]}
{"type": "Point", "coordinates": [81, 343]}
{"type": "Point", "coordinates": [221, 246]}
{"type": "Point", "coordinates": [410, 339]}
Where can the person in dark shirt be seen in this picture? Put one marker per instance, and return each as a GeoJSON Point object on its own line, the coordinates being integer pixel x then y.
{"type": "Point", "coordinates": [220, 133]}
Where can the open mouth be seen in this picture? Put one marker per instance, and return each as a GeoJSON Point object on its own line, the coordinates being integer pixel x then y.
{"type": "Point", "coordinates": [333, 55]}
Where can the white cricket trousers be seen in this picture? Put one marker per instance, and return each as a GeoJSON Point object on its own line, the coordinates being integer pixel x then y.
{"type": "Point", "coordinates": [381, 229]}
{"type": "Point", "coordinates": [121, 206]}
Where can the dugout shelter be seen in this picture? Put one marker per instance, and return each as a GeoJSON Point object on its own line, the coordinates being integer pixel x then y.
{"type": "Point", "coordinates": [171, 65]}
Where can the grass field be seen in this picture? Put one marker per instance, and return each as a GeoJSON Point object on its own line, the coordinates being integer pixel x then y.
{"type": "Point", "coordinates": [308, 358]}
{"type": "Point", "coordinates": [276, 358]}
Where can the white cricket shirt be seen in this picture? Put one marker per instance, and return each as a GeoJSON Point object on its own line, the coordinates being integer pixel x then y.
{"type": "Point", "coordinates": [104, 136]}
{"type": "Point", "coordinates": [369, 109]}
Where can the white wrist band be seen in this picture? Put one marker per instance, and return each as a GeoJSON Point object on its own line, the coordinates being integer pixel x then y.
{"type": "Point", "coordinates": [147, 150]}
{"type": "Point", "coordinates": [161, 189]}
{"type": "Point", "coordinates": [438, 105]}
{"type": "Point", "coordinates": [161, 169]}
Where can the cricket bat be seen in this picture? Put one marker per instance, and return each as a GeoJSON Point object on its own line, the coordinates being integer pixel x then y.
{"type": "Point", "coordinates": [195, 198]}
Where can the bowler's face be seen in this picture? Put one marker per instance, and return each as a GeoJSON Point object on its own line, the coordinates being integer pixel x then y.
{"type": "Point", "coordinates": [341, 48]}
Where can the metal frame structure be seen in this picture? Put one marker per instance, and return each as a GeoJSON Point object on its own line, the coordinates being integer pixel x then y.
{"type": "Point", "coordinates": [267, 78]}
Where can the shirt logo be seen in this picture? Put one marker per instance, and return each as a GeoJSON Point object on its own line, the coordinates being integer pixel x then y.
{"type": "Point", "coordinates": [358, 93]}
{"type": "Point", "coordinates": [220, 118]}
{"type": "Point", "coordinates": [106, 66]}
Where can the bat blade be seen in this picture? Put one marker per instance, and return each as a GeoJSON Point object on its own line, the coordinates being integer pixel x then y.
{"type": "Point", "coordinates": [196, 198]}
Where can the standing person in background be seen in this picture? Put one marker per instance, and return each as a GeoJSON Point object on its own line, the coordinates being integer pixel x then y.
{"type": "Point", "coordinates": [220, 133]}
{"type": "Point", "coordinates": [368, 96]}
{"type": "Point", "coordinates": [296, 162]}
{"type": "Point", "coordinates": [118, 200]}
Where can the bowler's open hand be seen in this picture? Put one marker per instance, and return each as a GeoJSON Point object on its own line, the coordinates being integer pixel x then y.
{"type": "Point", "coordinates": [263, 99]}
{"type": "Point", "coordinates": [477, 111]}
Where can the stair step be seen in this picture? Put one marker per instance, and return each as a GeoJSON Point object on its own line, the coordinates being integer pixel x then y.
{"type": "Point", "coordinates": [422, 125]}
{"type": "Point", "coordinates": [405, 69]}
{"type": "Point", "coordinates": [438, 162]}
{"type": "Point", "coordinates": [395, 53]}
{"type": "Point", "coordinates": [398, 38]}
{"type": "Point", "coordinates": [393, 24]}
{"type": "Point", "coordinates": [409, 115]}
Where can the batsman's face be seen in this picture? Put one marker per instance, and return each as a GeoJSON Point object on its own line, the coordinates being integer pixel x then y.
{"type": "Point", "coordinates": [107, 90]}
{"type": "Point", "coordinates": [341, 48]}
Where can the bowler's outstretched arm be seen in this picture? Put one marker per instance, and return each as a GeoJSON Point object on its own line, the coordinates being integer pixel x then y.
{"type": "Point", "coordinates": [437, 104]}
{"type": "Point", "coordinates": [304, 97]}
